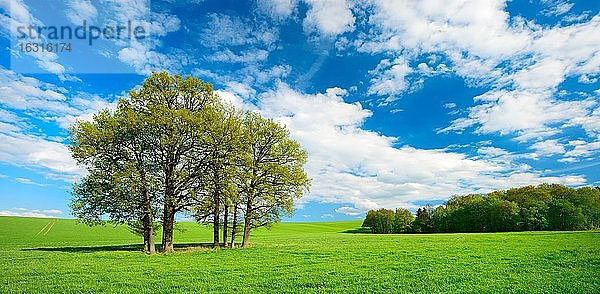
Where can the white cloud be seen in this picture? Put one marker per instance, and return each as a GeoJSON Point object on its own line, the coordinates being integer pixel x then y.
{"type": "Point", "coordinates": [450, 105]}
{"type": "Point", "coordinates": [480, 27]}
{"type": "Point", "coordinates": [329, 17]}
{"type": "Point", "coordinates": [24, 212]}
{"type": "Point", "coordinates": [349, 211]}
{"type": "Point", "coordinates": [20, 92]}
{"type": "Point", "coordinates": [222, 30]}
{"type": "Point", "coordinates": [390, 77]}
{"type": "Point", "coordinates": [87, 105]}
{"type": "Point", "coordinates": [490, 151]}
{"type": "Point", "coordinates": [19, 15]}
{"type": "Point", "coordinates": [145, 59]}
{"type": "Point", "coordinates": [277, 9]}
{"type": "Point", "coordinates": [548, 147]}
{"type": "Point", "coordinates": [81, 10]}
{"type": "Point", "coordinates": [20, 147]}
{"type": "Point", "coordinates": [247, 56]}
{"type": "Point", "coordinates": [143, 54]}
{"type": "Point", "coordinates": [36, 152]}
{"type": "Point", "coordinates": [44, 100]}
{"type": "Point", "coordinates": [351, 165]}
{"type": "Point", "coordinates": [583, 148]}
{"type": "Point", "coordinates": [523, 64]}
{"type": "Point", "coordinates": [28, 182]}
{"type": "Point", "coordinates": [524, 136]}
{"type": "Point", "coordinates": [543, 75]}
{"type": "Point", "coordinates": [240, 89]}
{"type": "Point", "coordinates": [556, 8]}
{"type": "Point", "coordinates": [509, 111]}
{"type": "Point", "coordinates": [590, 123]}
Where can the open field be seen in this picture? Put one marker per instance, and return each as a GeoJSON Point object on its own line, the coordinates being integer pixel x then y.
{"type": "Point", "coordinates": [44, 255]}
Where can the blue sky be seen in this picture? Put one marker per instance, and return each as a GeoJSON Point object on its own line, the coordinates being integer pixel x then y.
{"type": "Point", "coordinates": [398, 103]}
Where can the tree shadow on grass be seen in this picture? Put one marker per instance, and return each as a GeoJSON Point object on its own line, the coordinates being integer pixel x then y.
{"type": "Point", "coordinates": [357, 231]}
{"type": "Point", "coordinates": [127, 247]}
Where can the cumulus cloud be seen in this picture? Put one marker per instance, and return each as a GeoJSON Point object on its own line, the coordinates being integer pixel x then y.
{"type": "Point", "coordinates": [508, 111]}
{"type": "Point", "coordinates": [349, 164]}
{"type": "Point", "coordinates": [479, 27]}
{"type": "Point", "coordinates": [147, 54]}
{"type": "Point", "coordinates": [37, 152]}
{"type": "Point", "coordinates": [590, 123]}
{"type": "Point", "coordinates": [329, 17]}
{"type": "Point", "coordinates": [522, 64]}
{"type": "Point", "coordinates": [277, 9]}
{"type": "Point", "coordinates": [548, 147]}
{"type": "Point", "coordinates": [390, 77]}
{"type": "Point", "coordinates": [45, 100]}
{"type": "Point", "coordinates": [19, 145]}
{"type": "Point", "coordinates": [583, 149]}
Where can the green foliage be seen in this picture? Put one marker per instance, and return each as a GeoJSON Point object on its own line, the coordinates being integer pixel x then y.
{"type": "Point", "coordinates": [271, 175]}
{"type": "Point", "coordinates": [385, 221]}
{"type": "Point", "coordinates": [294, 258]}
{"type": "Point", "coordinates": [121, 183]}
{"type": "Point", "coordinates": [422, 222]}
{"type": "Point", "coordinates": [545, 207]}
{"type": "Point", "coordinates": [402, 221]}
{"type": "Point", "coordinates": [174, 146]}
{"type": "Point", "coordinates": [564, 215]}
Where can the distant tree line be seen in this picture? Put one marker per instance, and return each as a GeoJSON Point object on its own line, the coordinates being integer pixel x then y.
{"type": "Point", "coordinates": [175, 147]}
{"type": "Point", "coordinates": [545, 207]}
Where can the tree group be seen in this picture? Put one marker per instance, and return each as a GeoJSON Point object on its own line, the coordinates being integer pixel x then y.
{"type": "Point", "coordinates": [545, 207]}
{"type": "Point", "coordinates": [175, 147]}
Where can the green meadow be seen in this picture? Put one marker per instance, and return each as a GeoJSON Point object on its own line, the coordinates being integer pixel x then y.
{"type": "Point", "coordinates": [62, 256]}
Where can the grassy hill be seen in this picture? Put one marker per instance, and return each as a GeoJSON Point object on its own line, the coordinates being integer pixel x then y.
{"type": "Point", "coordinates": [57, 255]}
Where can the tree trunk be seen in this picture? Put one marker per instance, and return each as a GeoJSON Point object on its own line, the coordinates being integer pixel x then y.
{"type": "Point", "coordinates": [146, 233]}
{"type": "Point", "coordinates": [246, 236]}
{"type": "Point", "coordinates": [217, 205]}
{"type": "Point", "coordinates": [225, 215]}
{"type": "Point", "coordinates": [216, 222]}
{"type": "Point", "coordinates": [234, 226]}
{"type": "Point", "coordinates": [168, 212]}
{"type": "Point", "coordinates": [148, 224]}
{"type": "Point", "coordinates": [151, 245]}
{"type": "Point", "coordinates": [168, 223]}
{"type": "Point", "coordinates": [146, 241]}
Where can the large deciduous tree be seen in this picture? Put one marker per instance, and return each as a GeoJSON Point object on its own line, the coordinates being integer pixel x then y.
{"type": "Point", "coordinates": [174, 109]}
{"type": "Point", "coordinates": [271, 174]}
{"type": "Point", "coordinates": [121, 180]}
{"type": "Point", "coordinates": [223, 145]}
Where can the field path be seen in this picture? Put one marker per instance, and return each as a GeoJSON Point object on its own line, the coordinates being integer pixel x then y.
{"type": "Point", "coordinates": [46, 228]}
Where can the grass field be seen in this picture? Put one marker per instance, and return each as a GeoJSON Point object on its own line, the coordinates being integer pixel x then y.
{"type": "Point", "coordinates": [44, 255]}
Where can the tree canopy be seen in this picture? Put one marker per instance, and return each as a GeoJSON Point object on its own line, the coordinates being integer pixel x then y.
{"type": "Point", "coordinates": [175, 147]}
